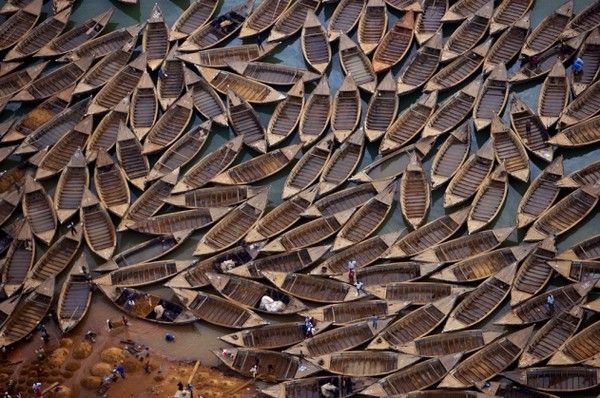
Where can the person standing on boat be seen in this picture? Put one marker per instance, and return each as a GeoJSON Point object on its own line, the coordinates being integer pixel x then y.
{"type": "Point", "coordinates": [550, 304]}
{"type": "Point", "coordinates": [578, 66]}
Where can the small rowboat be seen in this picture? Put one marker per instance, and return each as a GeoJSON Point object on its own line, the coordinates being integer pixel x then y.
{"type": "Point", "coordinates": [133, 162]}
{"type": "Point", "coordinates": [563, 379]}
{"type": "Point", "coordinates": [214, 196]}
{"type": "Point", "coordinates": [459, 70]}
{"type": "Point", "coordinates": [263, 17]}
{"type": "Point", "coordinates": [143, 274]}
{"type": "Point", "coordinates": [405, 5]}
{"type": "Point", "coordinates": [481, 303]}
{"type": "Point", "coordinates": [345, 110]}
{"type": "Point", "coordinates": [355, 63]}
{"type": "Point", "coordinates": [540, 194]}
{"type": "Point", "coordinates": [588, 249]}
{"type": "Point", "coordinates": [363, 310]}
{"type": "Point", "coordinates": [550, 337]}
{"type": "Point", "coordinates": [429, 22]}
{"type": "Point", "coordinates": [272, 336]}
{"type": "Point", "coordinates": [19, 24]}
{"type": "Point", "coordinates": [17, 80]}
{"type": "Point", "coordinates": [9, 202]}
{"type": "Point", "coordinates": [221, 57]}
{"type": "Point", "coordinates": [509, 150]}
{"type": "Point", "coordinates": [416, 293]}
{"type": "Point", "coordinates": [234, 226]}
{"type": "Point", "coordinates": [415, 193]}
{"type": "Point", "coordinates": [530, 129]}
{"type": "Point", "coordinates": [489, 200]}
{"type": "Point", "coordinates": [429, 235]}
{"type": "Point", "coordinates": [489, 361]}
{"type": "Point", "coordinates": [98, 228]}
{"type": "Point", "coordinates": [589, 54]}
{"type": "Point", "coordinates": [143, 109]}
{"type": "Point", "coordinates": [195, 16]}
{"type": "Point", "coordinates": [74, 179]}
{"type": "Point", "coordinates": [534, 274]}
{"type": "Point", "coordinates": [155, 39]}
{"type": "Point", "coordinates": [507, 45]}
{"type": "Point", "coordinates": [315, 114]}
{"type": "Point", "coordinates": [170, 126]}
{"type": "Point", "coordinates": [106, 133]}
{"type": "Point", "coordinates": [382, 108]}
{"type": "Point", "coordinates": [75, 298]}
{"type": "Point", "coordinates": [581, 347]}
{"type": "Point", "coordinates": [111, 185]}
{"type": "Point", "coordinates": [170, 79]}
{"type": "Point", "coordinates": [18, 261]}
{"type": "Point", "coordinates": [292, 19]}
{"type": "Point", "coordinates": [273, 74]}
{"type": "Point", "coordinates": [451, 155]}
{"type": "Point", "coordinates": [583, 107]}
{"type": "Point", "coordinates": [345, 17]}
{"type": "Point", "coordinates": [548, 30]}
{"type": "Point", "coordinates": [305, 387]}
{"type": "Point", "coordinates": [421, 67]}
{"type": "Point", "coordinates": [554, 95]}
{"type": "Point", "coordinates": [491, 98]}
{"type": "Point", "coordinates": [453, 110]}
{"type": "Point", "coordinates": [101, 46]}
{"type": "Point", "coordinates": [405, 271]}
{"type": "Point", "coordinates": [469, 33]}
{"type": "Point", "coordinates": [583, 22]}
{"type": "Point", "coordinates": [582, 134]}
{"type": "Point", "coordinates": [372, 25]}
{"type": "Point", "coordinates": [309, 168]}
{"type": "Point", "coordinates": [395, 44]}
{"type": "Point", "coordinates": [364, 363]}
{"type": "Point", "coordinates": [39, 211]}
{"type": "Point", "coordinates": [342, 163]}
{"type": "Point", "coordinates": [576, 270]}
{"type": "Point", "coordinates": [218, 311]}
{"type": "Point", "coordinates": [462, 9]}
{"type": "Point", "coordinates": [179, 221]}
{"type": "Point", "coordinates": [509, 13]}
{"type": "Point", "coordinates": [286, 115]}
{"type": "Point", "coordinates": [312, 288]}
{"type": "Point", "coordinates": [415, 324]}
{"type": "Point", "coordinates": [450, 343]}
{"type": "Point", "coordinates": [205, 99]}
{"type": "Point", "coordinates": [315, 44]}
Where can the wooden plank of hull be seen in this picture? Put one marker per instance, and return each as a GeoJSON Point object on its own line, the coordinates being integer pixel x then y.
{"type": "Point", "coordinates": [345, 110]}
{"type": "Point", "coordinates": [593, 305]}
{"type": "Point", "coordinates": [450, 343]}
{"type": "Point", "coordinates": [313, 288]}
{"type": "Point", "coordinates": [508, 44]}
{"type": "Point", "coordinates": [74, 179]}
{"type": "Point", "coordinates": [554, 95]}
{"type": "Point", "coordinates": [583, 22]}
{"type": "Point", "coordinates": [9, 202]}
{"type": "Point", "coordinates": [382, 109]}
{"type": "Point", "coordinates": [206, 100]}
{"type": "Point", "coordinates": [39, 211]}
{"type": "Point", "coordinates": [576, 270]}
{"type": "Point", "coordinates": [387, 273]}
{"type": "Point", "coordinates": [286, 115]}
{"type": "Point", "coordinates": [19, 24]}
{"type": "Point", "coordinates": [143, 274]}
{"type": "Point", "coordinates": [111, 185]}
{"type": "Point", "coordinates": [580, 348]}
{"type": "Point", "coordinates": [245, 122]}
{"type": "Point", "coordinates": [534, 274]}
{"type": "Point", "coordinates": [591, 62]}
{"type": "Point", "coordinates": [429, 22]}
{"type": "Point", "coordinates": [421, 67]}
{"type": "Point", "coordinates": [506, 386]}
{"type": "Point", "coordinates": [563, 379]}
{"type": "Point", "coordinates": [220, 57]}
{"type": "Point", "coordinates": [364, 363]}
{"type": "Point", "coordinates": [492, 97]}
{"type": "Point", "coordinates": [416, 293]}
{"type": "Point", "coordinates": [272, 336]}
{"type": "Point", "coordinates": [74, 299]}
{"type": "Point", "coordinates": [582, 134]}
{"type": "Point", "coordinates": [308, 169]}
{"type": "Point", "coordinates": [530, 129]}
{"type": "Point", "coordinates": [354, 62]}
{"type": "Point", "coordinates": [587, 175]}
{"type": "Point", "coordinates": [363, 310]}
{"type": "Point", "coordinates": [106, 134]}
{"type": "Point", "coordinates": [588, 249]}
{"type": "Point", "coordinates": [143, 110]}
{"type": "Point", "coordinates": [548, 30]}
{"type": "Point", "coordinates": [179, 221]}
{"type": "Point", "coordinates": [415, 193]}
{"type": "Point", "coordinates": [462, 9]}
{"type": "Point", "coordinates": [468, 33]}
{"type": "Point", "coordinates": [18, 261]}
{"type": "Point", "coordinates": [195, 16]}
{"type": "Point", "coordinates": [509, 13]}
{"type": "Point", "coordinates": [315, 114]}
{"type": "Point", "coordinates": [133, 162]}
{"type": "Point", "coordinates": [302, 387]}
{"type": "Point", "coordinates": [345, 18]}
{"type": "Point", "coordinates": [540, 194]}
{"type": "Point", "coordinates": [12, 83]}
{"type": "Point", "coordinates": [489, 200]}
{"type": "Point", "coordinates": [451, 155]}
{"type": "Point", "coordinates": [315, 44]}
{"type": "Point", "coordinates": [583, 107]}
{"type": "Point", "coordinates": [214, 197]}
{"type": "Point", "coordinates": [395, 44]}
{"type": "Point", "coordinates": [292, 19]}
{"type": "Point", "coordinates": [273, 74]}
{"type": "Point", "coordinates": [98, 228]}
{"type": "Point", "coordinates": [509, 150]}
{"type": "Point", "coordinates": [155, 39]}
{"type": "Point", "coordinates": [372, 25]}
{"type": "Point", "coordinates": [342, 163]}
{"type": "Point", "coordinates": [170, 83]}
{"type": "Point", "coordinates": [170, 126]}
{"type": "Point", "coordinates": [263, 16]}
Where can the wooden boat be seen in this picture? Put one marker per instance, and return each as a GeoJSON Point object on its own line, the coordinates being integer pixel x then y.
{"type": "Point", "coordinates": [218, 29]}
{"type": "Point", "coordinates": [462, 9]}
{"type": "Point", "coordinates": [395, 44]}
{"type": "Point", "coordinates": [565, 214]}
{"type": "Point", "coordinates": [415, 193]}
{"type": "Point", "coordinates": [39, 211]}
{"type": "Point", "coordinates": [548, 30]}
{"type": "Point", "coordinates": [372, 25]}
{"type": "Point", "coordinates": [204, 97]}
{"type": "Point", "coordinates": [489, 361]}
{"type": "Point", "coordinates": [352, 312]}
{"type": "Point", "coordinates": [55, 260]}
{"type": "Point", "coordinates": [210, 165]}
{"type": "Point", "coordinates": [220, 57]}
{"type": "Point", "coordinates": [466, 246]}
{"type": "Point", "coordinates": [364, 363]}
{"type": "Point", "coordinates": [451, 155]}
{"type": "Point", "coordinates": [491, 98]}
{"type": "Point", "coordinates": [550, 337]}
{"type": "Point", "coordinates": [588, 249]}
{"type": "Point", "coordinates": [453, 110]}
{"type": "Point", "coordinates": [315, 114]}
{"type": "Point", "coordinates": [214, 197]}
{"type": "Point", "coordinates": [581, 347]}
{"type": "Point", "coordinates": [541, 194]}
{"type": "Point", "coordinates": [508, 44]}
{"type": "Point", "coordinates": [482, 302]}
{"type": "Point", "coordinates": [459, 70]}
{"type": "Point", "coordinates": [382, 108]}
{"type": "Point", "coordinates": [144, 304]}
{"type": "Point", "coordinates": [170, 79]}
{"type": "Point", "coordinates": [120, 86]}
{"type": "Point", "coordinates": [468, 33]}
{"type": "Point", "coordinates": [535, 309]}
{"type": "Point", "coordinates": [535, 272]}
{"type": "Point", "coordinates": [315, 44]}
{"type": "Point", "coordinates": [415, 324]}
{"type": "Point", "coordinates": [309, 167]}
{"type": "Point", "coordinates": [74, 179]}
{"type": "Point", "coordinates": [98, 228]}
{"type": "Point", "coordinates": [593, 305]}
{"type": "Point", "coordinates": [576, 270]}
{"type": "Point", "coordinates": [428, 23]}
{"type": "Point", "coordinates": [587, 175]}
{"type": "Point", "coordinates": [11, 6]}
{"type": "Point", "coordinates": [416, 293]}
{"type": "Point", "coordinates": [103, 45]}
{"type": "Point", "coordinates": [155, 39]}
{"type": "Point", "coordinates": [170, 126]}
{"type": "Point", "coordinates": [19, 24]}
{"type": "Point", "coordinates": [271, 336]}
{"type": "Point", "coordinates": [263, 17]}
{"type": "Point", "coordinates": [489, 200]}
{"type": "Point", "coordinates": [345, 18]}
{"type": "Point", "coordinates": [143, 274]}
{"type": "Point", "coordinates": [181, 152]}
{"type": "Point", "coordinates": [18, 261]}
{"type": "Point", "coordinates": [132, 160]}
{"type": "Point", "coordinates": [389, 273]}
{"type": "Point", "coordinates": [588, 53]}
{"type": "Point", "coordinates": [484, 265]}
{"type": "Point", "coordinates": [196, 15]}
{"type": "Point", "coordinates": [582, 134]}
{"type": "Point", "coordinates": [355, 63]}
{"type": "Point", "coordinates": [9, 202]}
{"type": "Point", "coordinates": [563, 379]}
{"type": "Point", "coordinates": [508, 13]}
{"type": "Point", "coordinates": [554, 95]}
{"type": "Point", "coordinates": [106, 134]}
{"type": "Point", "coordinates": [583, 22]}
{"type": "Point", "coordinates": [417, 377]}
{"type": "Point", "coordinates": [292, 19]}
{"type": "Point", "coordinates": [74, 299]}
{"type": "Point", "coordinates": [111, 185]}
{"type": "Point", "coordinates": [530, 129]}
{"type": "Point", "coordinates": [509, 150]}
{"type": "Point", "coordinates": [218, 311]}
{"type": "Point", "coordinates": [343, 163]}
{"type": "Point", "coordinates": [143, 109]}
{"type": "Point", "coordinates": [450, 343]}
{"type": "Point", "coordinates": [273, 74]}
{"type": "Point", "coordinates": [421, 67]}
{"type": "Point", "coordinates": [29, 312]}
{"type": "Point", "coordinates": [179, 221]}
{"type": "Point", "coordinates": [304, 387]}
{"type": "Point", "coordinates": [15, 81]}
{"type": "Point", "coordinates": [312, 288]}
{"type": "Point", "coordinates": [345, 109]}
{"type": "Point", "coordinates": [234, 226]}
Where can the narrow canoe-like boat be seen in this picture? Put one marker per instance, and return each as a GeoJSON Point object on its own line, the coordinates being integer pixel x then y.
{"type": "Point", "coordinates": [489, 361]}
{"type": "Point", "coordinates": [415, 193]}
{"type": "Point", "coordinates": [583, 22]}
{"type": "Point", "coordinates": [387, 273]}
{"type": "Point", "coordinates": [143, 109]}
{"type": "Point", "coordinates": [9, 202]}
{"type": "Point", "coordinates": [179, 221]}
{"type": "Point", "coordinates": [181, 152]}
{"type": "Point", "coordinates": [313, 288]}
{"type": "Point", "coordinates": [205, 99]}
{"type": "Point", "coordinates": [395, 44]}
{"type": "Point", "coordinates": [11, 6]}
{"type": "Point", "coordinates": [382, 108]}
{"type": "Point", "coordinates": [342, 163]}
{"type": "Point", "coordinates": [582, 134]}
{"type": "Point", "coordinates": [218, 311]}
{"type": "Point", "coordinates": [309, 168]}
{"type": "Point", "coordinates": [415, 324]}
{"type": "Point", "coordinates": [344, 18]}
{"type": "Point", "coordinates": [481, 302]}
{"type": "Point", "coordinates": [450, 343]}
{"type": "Point", "coordinates": [111, 185]}
{"type": "Point", "coordinates": [540, 194]}
{"type": "Point", "coordinates": [315, 44]}
{"type": "Point", "coordinates": [509, 13]}
{"type": "Point", "coordinates": [550, 337]}
{"type": "Point", "coordinates": [75, 298]}
{"type": "Point", "coordinates": [315, 114]}
{"type": "Point", "coordinates": [530, 129]}
{"type": "Point", "coordinates": [417, 293]}
{"type": "Point", "coordinates": [587, 175]}
{"type": "Point", "coordinates": [354, 62]}
{"type": "Point", "coordinates": [507, 45]}
{"type": "Point", "coordinates": [484, 265]}
{"type": "Point", "coordinates": [429, 235]}
{"type": "Point", "coordinates": [581, 347]}
{"type": "Point", "coordinates": [291, 21]}
{"type": "Point", "coordinates": [98, 228]}
{"type": "Point", "coordinates": [346, 386]}
{"type": "Point", "coordinates": [144, 303]}
{"type": "Point", "coordinates": [234, 226]}
{"type": "Point", "coordinates": [263, 17]}
{"type": "Point", "coordinates": [459, 70]}
{"type": "Point", "coordinates": [155, 39]}
{"type": "Point", "coordinates": [554, 95]}
{"type": "Point", "coordinates": [143, 274]}
{"type": "Point", "coordinates": [214, 196]}
{"type": "Point", "coordinates": [462, 9]}
{"type": "Point", "coordinates": [247, 89]}
{"type": "Point", "coordinates": [195, 16]}
{"type": "Point", "coordinates": [588, 249]}
{"type": "Point", "coordinates": [491, 98]}
{"type": "Point", "coordinates": [19, 24]}
{"type": "Point", "coordinates": [421, 67]}
{"type": "Point", "coordinates": [39, 211]}
{"type": "Point", "coordinates": [170, 126]}
{"type": "Point", "coordinates": [451, 155]}
{"type": "Point", "coordinates": [372, 25]}
{"type": "Point", "coordinates": [133, 162]}
{"type": "Point", "coordinates": [548, 30]}
{"type": "Point", "coordinates": [346, 313]}
{"type": "Point", "coordinates": [272, 336]}
{"type": "Point", "coordinates": [429, 22]}
{"type": "Point", "coordinates": [364, 363]}
{"type": "Point", "coordinates": [286, 115]}
{"type": "Point", "coordinates": [535, 272]}
{"type": "Point", "coordinates": [453, 110]}
{"type": "Point", "coordinates": [106, 134]}
{"type": "Point", "coordinates": [120, 86]}
{"type": "Point", "coordinates": [509, 150]}
{"type": "Point", "coordinates": [576, 270]}
{"type": "Point", "coordinates": [250, 294]}
{"type": "Point", "coordinates": [489, 200]}
{"type": "Point", "coordinates": [15, 81]}
{"type": "Point", "coordinates": [30, 311]}
{"type": "Point", "coordinates": [466, 246]}
{"type": "Point", "coordinates": [561, 379]}
{"type": "Point", "coordinates": [18, 261]}
{"type": "Point", "coordinates": [345, 109]}
{"type": "Point", "coordinates": [210, 165]}
{"type": "Point", "coordinates": [273, 74]}
{"type": "Point", "coordinates": [589, 54]}
{"type": "Point", "coordinates": [220, 57]}
{"type": "Point", "coordinates": [74, 179]}
{"type": "Point", "coordinates": [103, 45]}
{"type": "Point", "coordinates": [170, 79]}
{"type": "Point", "coordinates": [469, 33]}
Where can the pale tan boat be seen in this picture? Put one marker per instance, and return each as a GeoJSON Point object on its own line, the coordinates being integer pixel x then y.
{"type": "Point", "coordinates": [271, 336]}
{"type": "Point", "coordinates": [313, 288]}
{"type": "Point", "coordinates": [579, 348]}
{"type": "Point", "coordinates": [421, 67]}
{"type": "Point", "coordinates": [509, 13]}
{"type": "Point", "coordinates": [450, 343]}
{"type": "Point", "coordinates": [342, 163]}
{"type": "Point", "coordinates": [415, 193]}
{"type": "Point", "coordinates": [489, 200]}
{"type": "Point", "coordinates": [170, 83]}
{"type": "Point", "coordinates": [416, 293]}
{"type": "Point", "coordinates": [548, 30]}
{"type": "Point", "coordinates": [508, 44]}
{"type": "Point", "coordinates": [462, 9]}
{"type": "Point", "coordinates": [554, 95]}
{"type": "Point", "coordinates": [593, 305]}
{"type": "Point", "coordinates": [315, 44]}
{"type": "Point", "coordinates": [98, 227]}
{"type": "Point", "coordinates": [133, 162]}
{"type": "Point", "coordinates": [345, 18]}
{"type": "Point", "coordinates": [534, 273]}
{"type": "Point", "coordinates": [143, 110]}
{"type": "Point", "coordinates": [591, 62]}
{"type": "Point", "coordinates": [291, 21]}
{"type": "Point", "coordinates": [19, 24]}
{"type": "Point", "coordinates": [576, 270]}
{"type": "Point", "coordinates": [509, 150]}
{"type": "Point", "coordinates": [74, 299]}
{"type": "Point", "coordinates": [155, 39]}
{"type": "Point", "coordinates": [388, 273]}
{"type": "Point", "coordinates": [382, 109]}
{"type": "Point", "coordinates": [263, 17]}
{"type": "Point", "coordinates": [364, 363]}
{"type": "Point", "coordinates": [351, 312]}
{"type": "Point", "coordinates": [587, 175]}
{"type": "Point", "coordinates": [286, 115]}
{"type": "Point", "coordinates": [111, 185]}
{"type": "Point", "coordinates": [492, 98]}
{"type": "Point", "coordinates": [302, 387]}
{"type": "Point", "coordinates": [245, 122]}
{"type": "Point", "coordinates": [564, 379]}
{"type": "Point", "coordinates": [315, 114]}
{"type": "Point", "coordinates": [224, 196]}
{"type": "Point", "coordinates": [170, 126]}
{"type": "Point", "coordinates": [530, 129]}
{"type": "Point", "coordinates": [273, 74]}
{"type": "Point", "coordinates": [9, 201]}
{"type": "Point", "coordinates": [405, 5]}
{"type": "Point", "coordinates": [106, 133]}
{"type": "Point", "coordinates": [38, 210]}
{"type": "Point", "coordinates": [372, 25]}
{"type": "Point", "coordinates": [395, 44]}
{"type": "Point", "coordinates": [18, 261]}
{"type": "Point", "coordinates": [583, 22]}
{"type": "Point", "coordinates": [429, 21]}
{"type": "Point", "coordinates": [73, 181]}
{"type": "Point", "coordinates": [13, 82]}
{"type": "Point", "coordinates": [309, 168]}
{"type": "Point", "coordinates": [143, 274]}
{"type": "Point", "coordinates": [354, 62]}
{"type": "Point", "coordinates": [196, 15]}
{"type": "Point", "coordinates": [451, 155]}
{"type": "Point", "coordinates": [470, 32]}
{"type": "Point", "coordinates": [345, 109]}
{"type": "Point", "coordinates": [220, 57]}
{"type": "Point", "coordinates": [206, 100]}
{"type": "Point", "coordinates": [582, 134]}
{"type": "Point", "coordinates": [588, 249]}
